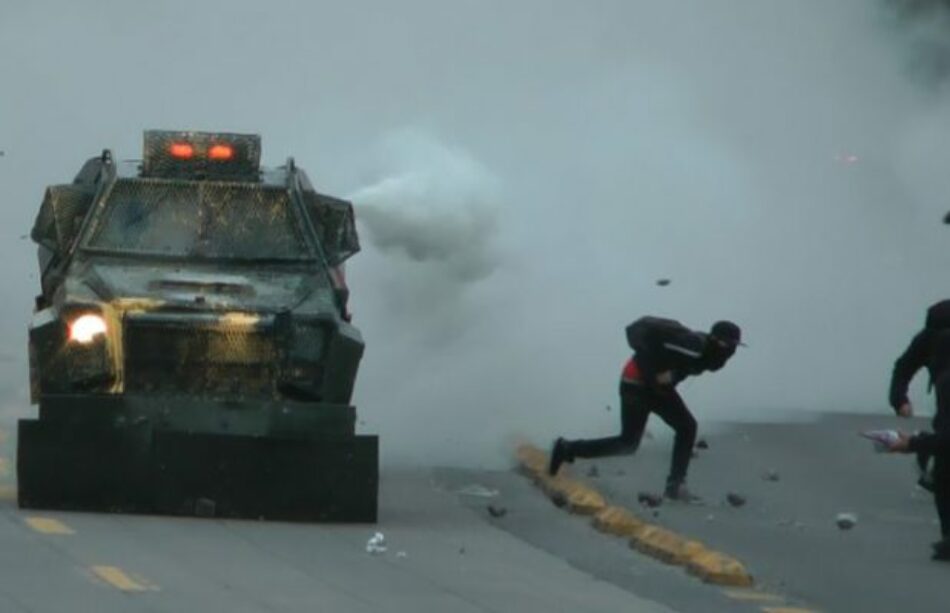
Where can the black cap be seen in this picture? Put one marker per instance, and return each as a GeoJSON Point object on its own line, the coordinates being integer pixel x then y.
{"type": "Point", "coordinates": [728, 332]}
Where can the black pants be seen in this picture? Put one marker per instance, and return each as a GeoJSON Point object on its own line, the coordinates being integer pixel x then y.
{"type": "Point", "coordinates": [636, 404]}
{"type": "Point", "coordinates": [942, 458]}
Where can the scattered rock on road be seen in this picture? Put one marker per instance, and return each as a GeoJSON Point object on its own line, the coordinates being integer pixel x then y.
{"type": "Point", "coordinates": [702, 444]}
{"type": "Point", "coordinates": [770, 475]}
{"type": "Point", "coordinates": [376, 544]}
{"type": "Point", "coordinates": [735, 499]}
{"type": "Point", "coordinates": [648, 499]}
{"type": "Point", "coordinates": [592, 472]}
{"type": "Point", "coordinates": [497, 511]}
{"type": "Point", "coordinates": [846, 521]}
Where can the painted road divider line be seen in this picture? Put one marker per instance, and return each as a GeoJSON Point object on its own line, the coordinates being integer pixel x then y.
{"type": "Point", "coordinates": [117, 578]}
{"type": "Point", "coordinates": [7, 493]}
{"type": "Point", "coordinates": [752, 596]}
{"type": "Point", "coordinates": [48, 525]}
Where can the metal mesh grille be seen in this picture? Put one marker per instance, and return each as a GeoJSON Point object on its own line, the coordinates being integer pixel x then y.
{"type": "Point", "coordinates": [335, 225]}
{"type": "Point", "coordinates": [157, 160]}
{"type": "Point", "coordinates": [198, 360]}
{"type": "Point", "coordinates": [199, 219]}
{"type": "Point", "coordinates": [60, 216]}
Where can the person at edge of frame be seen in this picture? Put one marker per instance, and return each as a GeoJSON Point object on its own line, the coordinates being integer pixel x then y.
{"type": "Point", "coordinates": [669, 353]}
{"type": "Point", "coordinates": [938, 445]}
{"type": "Point", "coordinates": [920, 354]}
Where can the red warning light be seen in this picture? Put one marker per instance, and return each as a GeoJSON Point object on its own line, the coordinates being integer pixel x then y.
{"type": "Point", "coordinates": [220, 152]}
{"type": "Point", "coordinates": [181, 151]}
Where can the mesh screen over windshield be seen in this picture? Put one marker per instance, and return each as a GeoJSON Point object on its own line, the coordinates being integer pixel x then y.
{"type": "Point", "coordinates": [199, 219]}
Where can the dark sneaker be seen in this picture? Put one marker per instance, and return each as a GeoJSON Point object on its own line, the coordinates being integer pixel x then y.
{"type": "Point", "coordinates": [941, 551]}
{"type": "Point", "coordinates": [680, 493]}
{"type": "Point", "coordinates": [926, 482]}
{"type": "Point", "coordinates": [558, 456]}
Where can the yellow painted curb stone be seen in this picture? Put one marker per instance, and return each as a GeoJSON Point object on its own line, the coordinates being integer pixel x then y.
{"type": "Point", "coordinates": [666, 546]}
{"type": "Point", "coordinates": [714, 567]}
{"type": "Point", "coordinates": [532, 459]}
{"type": "Point", "coordinates": [573, 494]}
{"type": "Point", "coordinates": [618, 521]}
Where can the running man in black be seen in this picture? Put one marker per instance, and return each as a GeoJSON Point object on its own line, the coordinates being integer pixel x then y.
{"type": "Point", "coordinates": [929, 349]}
{"type": "Point", "coordinates": [666, 352]}
{"type": "Point", "coordinates": [922, 353]}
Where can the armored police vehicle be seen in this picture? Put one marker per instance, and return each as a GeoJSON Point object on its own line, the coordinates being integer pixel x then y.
{"type": "Point", "coordinates": [191, 350]}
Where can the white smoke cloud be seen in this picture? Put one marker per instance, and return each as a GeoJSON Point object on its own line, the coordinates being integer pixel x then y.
{"type": "Point", "coordinates": [433, 205]}
{"type": "Point", "coordinates": [784, 163]}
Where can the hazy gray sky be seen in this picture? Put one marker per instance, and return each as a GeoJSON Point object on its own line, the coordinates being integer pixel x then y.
{"type": "Point", "coordinates": [529, 170]}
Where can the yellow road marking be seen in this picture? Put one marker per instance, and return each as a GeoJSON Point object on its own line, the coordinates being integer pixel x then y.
{"type": "Point", "coordinates": [48, 525]}
{"type": "Point", "coordinates": [117, 578]}
{"type": "Point", "coordinates": [787, 610]}
{"type": "Point", "coordinates": [751, 595]}
{"type": "Point", "coordinates": [7, 493]}
{"type": "Point", "coordinates": [4, 468]}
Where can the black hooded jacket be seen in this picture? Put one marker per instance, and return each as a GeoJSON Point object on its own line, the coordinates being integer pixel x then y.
{"type": "Point", "coordinates": [930, 349]}
{"type": "Point", "coordinates": [688, 353]}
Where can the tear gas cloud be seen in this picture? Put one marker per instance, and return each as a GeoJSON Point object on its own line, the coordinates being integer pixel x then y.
{"type": "Point", "coordinates": [523, 173]}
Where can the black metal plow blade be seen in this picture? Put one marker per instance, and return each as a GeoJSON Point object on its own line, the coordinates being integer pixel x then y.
{"type": "Point", "coordinates": [137, 469]}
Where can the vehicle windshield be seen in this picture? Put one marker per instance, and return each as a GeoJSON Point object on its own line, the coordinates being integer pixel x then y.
{"type": "Point", "coordinates": [211, 220]}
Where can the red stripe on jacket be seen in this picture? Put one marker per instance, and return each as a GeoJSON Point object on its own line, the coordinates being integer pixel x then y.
{"type": "Point", "coordinates": [631, 372]}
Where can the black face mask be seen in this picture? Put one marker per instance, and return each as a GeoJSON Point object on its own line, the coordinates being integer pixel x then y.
{"type": "Point", "coordinates": [716, 355]}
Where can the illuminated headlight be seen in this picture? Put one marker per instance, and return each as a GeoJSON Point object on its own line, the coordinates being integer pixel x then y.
{"type": "Point", "coordinates": [85, 328]}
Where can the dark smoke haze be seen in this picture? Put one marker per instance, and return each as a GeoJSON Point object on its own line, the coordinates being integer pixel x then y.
{"type": "Point", "coordinates": [524, 172]}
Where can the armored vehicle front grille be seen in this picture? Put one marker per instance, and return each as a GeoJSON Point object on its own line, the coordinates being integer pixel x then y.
{"type": "Point", "coordinates": [199, 359]}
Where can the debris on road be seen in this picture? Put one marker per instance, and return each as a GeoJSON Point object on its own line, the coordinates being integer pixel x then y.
{"type": "Point", "coordinates": [376, 544]}
{"type": "Point", "coordinates": [592, 472]}
{"type": "Point", "coordinates": [608, 408]}
{"type": "Point", "coordinates": [662, 282]}
{"type": "Point", "coordinates": [648, 499]}
{"type": "Point", "coordinates": [497, 511]}
{"type": "Point", "coordinates": [478, 490]}
{"type": "Point", "coordinates": [559, 499]}
{"type": "Point", "coordinates": [770, 475]}
{"type": "Point", "coordinates": [735, 499]}
{"type": "Point", "coordinates": [702, 444]}
{"type": "Point", "coordinates": [846, 521]}
{"type": "Point", "coordinates": [402, 554]}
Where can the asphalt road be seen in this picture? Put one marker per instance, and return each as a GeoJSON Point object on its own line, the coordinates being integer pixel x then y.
{"type": "Point", "coordinates": [786, 533]}
{"type": "Point", "coordinates": [446, 552]}
{"type": "Point", "coordinates": [442, 555]}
